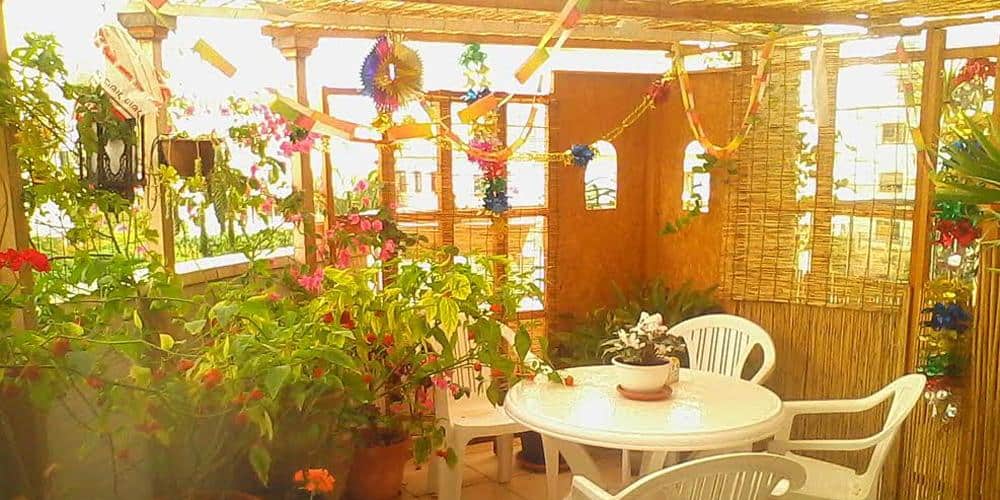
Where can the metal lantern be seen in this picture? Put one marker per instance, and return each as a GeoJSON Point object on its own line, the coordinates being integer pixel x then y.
{"type": "Point", "coordinates": [115, 165]}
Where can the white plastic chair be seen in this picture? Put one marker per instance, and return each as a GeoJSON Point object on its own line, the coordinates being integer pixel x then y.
{"type": "Point", "coordinates": [469, 418]}
{"type": "Point", "coordinates": [739, 476]}
{"type": "Point", "coordinates": [721, 343]}
{"type": "Point", "coordinates": [832, 481]}
{"type": "Point", "coordinates": [717, 343]}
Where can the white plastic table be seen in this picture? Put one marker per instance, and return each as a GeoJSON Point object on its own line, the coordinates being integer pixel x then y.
{"type": "Point", "coordinates": [706, 411]}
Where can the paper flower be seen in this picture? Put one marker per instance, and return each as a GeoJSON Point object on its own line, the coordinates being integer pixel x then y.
{"type": "Point", "coordinates": [978, 68]}
{"type": "Point", "coordinates": [961, 231]}
{"type": "Point", "coordinates": [582, 154]}
{"type": "Point", "coordinates": [496, 202]}
{"type": "Point", "coordinates": [947, 317]}
{"type": "Point", "coordinates": [392, 74]}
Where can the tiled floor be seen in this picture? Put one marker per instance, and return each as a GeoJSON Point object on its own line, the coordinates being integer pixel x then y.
{"type": "Point", "coordinates": [480, 472]}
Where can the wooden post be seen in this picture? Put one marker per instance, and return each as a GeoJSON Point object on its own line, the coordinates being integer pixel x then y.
{"type": "Point", "coordinates": [932, 94]}
{"type": "Point", "coordinates": [150, 31]}
{"type": "Point", "coordinates": [446, 190]}
{"type": "Point", "coordinates": [297, 48]}
{"type": "Point", "coordinates": [14, 231]}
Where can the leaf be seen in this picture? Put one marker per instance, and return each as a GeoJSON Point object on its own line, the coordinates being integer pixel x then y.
{"type": "Point", "coordinates": [166, 342]}
{"type": "Point", "coordinates": [522, 343]}
{"type": "Point", "coordinates": [260, 460]}
{"type": "Point", "coordinates": [276, 378]}
{"type": "Point", "coordinates": [81, 362]}
{"type": "Point", "coordinates": [136, 319]}
{"type": "Point", "coordinates": [448, 311]}
{"type": "Point", "coordinates": [194, 327]}
{"type": "Point", "coordinates": [141, 375]}
{"type": "Point", "coordinates": [451, 458]}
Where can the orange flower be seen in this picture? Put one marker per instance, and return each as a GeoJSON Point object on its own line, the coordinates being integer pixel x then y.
{"type": "Point", "coordinates": [315, 480]}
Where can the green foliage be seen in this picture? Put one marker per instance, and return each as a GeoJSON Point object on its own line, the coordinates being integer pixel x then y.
{"type": "Point", "coordinates": [971, 172]}
{"type": "Point", "coordinates": [582, 344]}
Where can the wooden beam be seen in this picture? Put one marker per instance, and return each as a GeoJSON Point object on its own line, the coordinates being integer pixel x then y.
{"type": "Point", "coordinates": [497, 32]}
{"type": "Point", "coordinates": [669, 11]}
{"type": "Point", "coordinates": [14, 231]}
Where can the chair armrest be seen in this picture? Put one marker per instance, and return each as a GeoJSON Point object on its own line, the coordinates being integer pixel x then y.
{"type": "Point", "coordinates": [585, 489]}
{"type": "Point", "coordinates": [824, 444]}
{"type": "Point", "coordinates": [795, 408]}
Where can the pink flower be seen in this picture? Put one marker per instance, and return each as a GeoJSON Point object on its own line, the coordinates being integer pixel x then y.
{"type": "Point", "coordinates": [343, 258]}
{"type": "Point", "coordinates": [388, 250]}
{"type": "Point", "coordinates": [142, 250]}
{"type": "Point", "coordinates": [273, 297]}
{"type": "Point", "coordinates": [354, 219]}
{"type": "Point", "coordinates": [440, 381]}
{"type": "Point", "coordinates": [365, 201]}
{"type": "Point", "coordinates": [426, 399]}
{"type": "Point", "coordinates": [361, 185]}
{"type": "Point", "coordinates": [268, 205]}
{"type": "Point", "coordinates": [253, 170]}
{"type": "Point", "coordinates": [363, 248]}
{"type": "Point", "coordinates": [366, 225]}
{"type": "Point", "coordinates": [377, 225]}
{"type": "Point", "coordinates": [312, 283]}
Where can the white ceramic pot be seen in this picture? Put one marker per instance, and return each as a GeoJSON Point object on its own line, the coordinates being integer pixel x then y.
{"type": "Point", "coordinates": [639, 378]}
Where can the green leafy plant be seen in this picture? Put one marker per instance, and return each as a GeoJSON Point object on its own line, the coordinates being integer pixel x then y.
{"type": "Point", "coordinates": [582, 345]}
{"type": "Point", "coordinates": [971, 172]}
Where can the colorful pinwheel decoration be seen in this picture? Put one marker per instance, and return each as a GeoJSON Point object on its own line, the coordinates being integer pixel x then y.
{"type": "Point", "coordinates": [392, 74]}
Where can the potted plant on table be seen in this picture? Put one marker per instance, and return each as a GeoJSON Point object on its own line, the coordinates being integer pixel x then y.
{"type": "Point", "coordinates": [645, 355]}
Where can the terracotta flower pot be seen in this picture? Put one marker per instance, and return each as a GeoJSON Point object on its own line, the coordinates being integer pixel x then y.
{"type": "Point", "coordinates": [182, 153]}
{"type": "Point", "coordinates": [377, 472]}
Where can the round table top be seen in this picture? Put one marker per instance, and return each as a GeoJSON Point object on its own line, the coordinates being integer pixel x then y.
{"type": "Point", "coordinates": [706, 411]}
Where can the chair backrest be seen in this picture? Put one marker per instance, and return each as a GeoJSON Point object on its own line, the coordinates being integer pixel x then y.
{"type": "Point", "coordinates": [905, 391]}
{"type": "Point", "coordinates": [721, 343]}
{"type": "Point", "coordinates": [737, 476]}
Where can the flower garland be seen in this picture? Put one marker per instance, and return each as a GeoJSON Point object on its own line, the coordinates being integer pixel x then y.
{"type": "Point", "coordinates": [950, 297]}
{"type": "Point", "coordinates": [485, 134]}
{"type": "Point", "coordinates": [757, 94]}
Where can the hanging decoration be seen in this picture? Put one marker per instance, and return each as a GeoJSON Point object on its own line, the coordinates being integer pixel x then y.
{"type": "Point", "coordinates": [392, 74]}
{"type": "Point", "coordinates": [214, 58]}
{"type": "Point", "coordinates": [950, 295]}
{"type": "Point", "coordinates": [757, 93]}
{"type": "Point", "coordinates": [130, 78]}
{"type": "Point", "coordinates": [314, 121]}
{"type": "Point", "coordinates": [485, 133]}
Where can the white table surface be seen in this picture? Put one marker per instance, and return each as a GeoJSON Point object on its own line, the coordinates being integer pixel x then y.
{"type": "Point", "coordinates": [706, 411]}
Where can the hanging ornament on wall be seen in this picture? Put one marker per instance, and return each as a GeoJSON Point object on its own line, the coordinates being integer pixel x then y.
{"type": "Point", "coordinates": [392, 74]}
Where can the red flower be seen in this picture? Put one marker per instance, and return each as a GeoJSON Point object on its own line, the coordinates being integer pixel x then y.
{"type": "Point", "coordinates": [962, 232]}
{"type": "Point", "coordinates": [328, 318]}
{"type": "Point", "coordinates": [976, 68]}
{"type": "Point", "coordinates": [241, 418]}
{"type": "Point", "coordinates": [371, 338]}
{"type": "Point", "coordinates": [569, 381]}
{"type": "Point", "coordinates": [315, 480]}
{"type": "Point", "coordinates": [18, 260]}
{"type": "Point", "coordinates": [60, 347]}
{"type": "Point", "coordinates": [256, 395]}
{"type": "Point", "coordinates": [239, 399]}
{"type": "Point", "coordinates": [477, 366]}
{"type": "Point", "coordinates": [185, 365]}
{"type": "Point", "coordinates": [497, 308]}
{"type": "Point", "coordinates": [318, 372]}
{"type": "Point", "coordinates": [441, 453]}
{"type": "Point", "coordinates": [95, 382]}
{"type": "Point", "coordinates": [346, 321]}
{"type": "Point", "coordinates": [471, 335]}
{"type": "Point", "coordinates": [211, 378]}
{"type": "Point", "coordinates": [388, 340]}
{"type": "Point", "coordinates": [367, 378]}
{"type": "Point", "coordinates": [31, 373]}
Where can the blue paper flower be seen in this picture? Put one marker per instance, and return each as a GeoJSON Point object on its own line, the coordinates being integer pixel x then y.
{"type": "Point", "coordinates": [947, 317]}
{"type": "Point", "coordinates": [496, 202]}
{"type": "Point", "coordinates": [472, 95]}
{"type": "Point", "coordinates": [582, 154]}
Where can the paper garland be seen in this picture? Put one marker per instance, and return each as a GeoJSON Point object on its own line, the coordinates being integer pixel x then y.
{"type": "Point", "coordinates": [757, 93]}
{"type": "Point", "coordinates": [130, 78]}
{"type": "Point", "coordinates": [214, 58]}
{"type": "Point", "coordinates": [312, 120]}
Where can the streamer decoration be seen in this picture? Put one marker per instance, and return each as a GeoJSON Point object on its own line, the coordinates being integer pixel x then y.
{"type": "Point", "coordinates": [214, 57]}
{"type": "Point", "coordinates": [757, 93]}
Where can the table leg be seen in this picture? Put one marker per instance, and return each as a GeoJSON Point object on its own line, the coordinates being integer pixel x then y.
{"type": "Point", "coordinates": [579, 461]}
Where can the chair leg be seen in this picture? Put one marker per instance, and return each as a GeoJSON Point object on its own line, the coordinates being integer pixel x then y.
{"type": "Point", "coordinates": [433, 473]}
{"type": "Point", "coordinates": [450, 478]}
{"type": "Point", "coordinates": [505, 457]}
